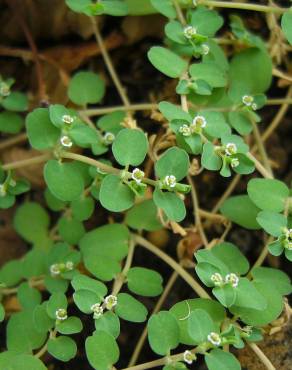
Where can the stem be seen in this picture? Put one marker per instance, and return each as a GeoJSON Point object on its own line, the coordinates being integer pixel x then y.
{"type": "Point", "coordinates": [227, 192]}
{"type": "Point", "coordinates": [264, 359]}
{"type": "Point", "coordinates": [172, 263]}
{"type": "Point", "coordinates": [157, 307]}
{"type": "Point", "coordinates": [261, 148]}
{"type": "Point", "coordinates": [27, 162]}
{"type": "Point", "coordinates": [279, 101]}
{"type": "Point", "coordinates": [197, 213]}
{"type": "Point", "coordinates": [109, 63]}
{"type": "Point", "coordinates": [179, 12]}
{"type": "Point", "coordinates": [132, 107]}
{"type": "Point", "coordinates": [13, 140]}
{"type": "Point", "coordinates": [259, 167]}
{"type": "Point", "coordinates": [243, 6]}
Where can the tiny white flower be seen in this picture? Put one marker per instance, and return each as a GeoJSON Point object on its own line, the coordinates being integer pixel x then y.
{"type": "Point", "coordinates": [108, 138]}
{"type": "Point", "coordinates": [288, 233]}
{"type": "Point", "coordinates": [55, 269]}
{"type": "Point", "coordinates": [97, 310]}
{"type": "Point", "coordinates": [170, 180]}
{"type": "Point", "coordinates": [66, 118]}
{"type": "Point", "coordinates": [189, 357]}
{"type": "Point", "coordinates": [217, 279]}
{"type": "Point", "coordinates": [61, 314]}
{"type": "Point", "coordinates": [137, 175]}
{"type": "Point", "coordinates": [206, 49]}
{"type": "Point", "coordinates": [230, 149]}
{"type": "Point", "coordinates": [232, 279]}
{"type": "Point", "coordinates": [247, 100]}
{"type": "Point", "coordinates": [289, 246]}
{"type": "Point", "coordinates": [69, 265]}
{"type": "Point", "coordinates": [66, 141]}
{"type": "Point", "coordinates": [4, 89]}
{"type": "Point", "coordinates": [214, 338]}
{"type": "Point", "coordinates": [185, 130]}
{"type": "Point", "coordinates": [254, 106]}
{"type": "Point", "coordinates": [247, 329]}
{"type": "Point", "coordinates": [110, 301]}
{"type": "Point", "coordinates": [234, 162]}
{"type": "Point", "coordinates": [3, 191]}
{"type": "Point", "coordinates": [189, 32]}
{"type": "Point", "coordinates": [198, 123]}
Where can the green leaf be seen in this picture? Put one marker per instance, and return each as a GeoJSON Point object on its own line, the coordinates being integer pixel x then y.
{"type": "Point", "coordinates": [86, 88]}
{"type": "Point", "coordinates": [248, 296]}
{"type": "Point", "coordinates": [112, 122]}
{"type": "Point", "coordinates": [10, 123]}
{"type": "Point", "coordinates": [210, 72]}
{"type": "Point", "coordinates": [240, 122]}
{"type": "Point", "coordinates": [103, 249]}
{"type": "Point", "coordinates": [72, 325]}
{"type": "Point", "coordinates": [130, 147]}
{"type": "Point", "coordinates": [2, 312]}
{"type": "Point", "coordinates": [272, 277]}
{"type": "Point", "coordinates": [167, 61]}
{"type": "Point", "coordinates": [143, 216]}
{"type": "Point", "coordinates": [102, 350]}
{"type": "Point", "coordinates": [62, 348]}
{"type": "Point", "coordinates": [262, 317]}
{"type": "Point", "coordinates": [268, 194]}
{"type": "Point", "coordinates": [216, 124]}
{"type": "Point", "coordinates": [210, 160]}
{"type": "Point", "coordinates": [108, 322]}
{"type": "Point", "coordinates": [31, 221]}
{"type": "Point", "coordinates": [16, 102]}
{"type": "Point", "coordinates": [130, 309]}
{"type": "Point", "coordinates": [207, 22]}
{"type": "Point", "coordinates": [21, 334]}
{"type": "Point", "coordinates": [200, 324]}
{"type": "Point", "coordinates": [11, 273]}
{"type": "Point", "coordinates": [85, 299]}
{"type": "Point", "coordinates": [14, 361]}
{"type": "Point", "coordinates": [174, 31]}
{"type": "Point", "coordinates": [220, 360]}
{"type": "Point", "coordinates": [164, 7]}
{"type": "Point", "coordinates": [83, 135]}
{"type": "Point", "coordinates": [244, 75]}
{"type": "Point", "coordinates": [272, 222]}
{"type": "Point", "coordinates": [114, 195]}
{"type": "Point", "coordinates": [115, 7]}
{"type": "Point", "coordinates": [82, 208]}
{"type": "Point", "coordinates": [286, 22]}
{"type": "Point", "coordinates": [63, 180]}
{"type": "Point", "coordinates": [41, 320]}
{"type": "Point", "coordinates": [83, 282]}
{"type": "Point", "coordinates": [70, 229]}
{"type": "Point", "coordinates": [226, 294]}
{"type": "Point", "coordinates": [171, 204]}
{"type": "Point", "coordinates": [42, 134]}
{"type": "Point", "coordinates": [56, 301]}
{"type": "Point", "coordinates": [78, 6]}
{"type": "Point", "coordinates": [174, 161]}
{"type": "Point", "coordinates": [53, 203]}
{"type": "Point", "coordinates": [182, 310]}
{"type": "Point", "coordinates": [163, 332]}
{"type": "Point", "coordinates": [172, 111]}
{"type": "Point", "coordinates": [241, 210]}
{"type": "Point", "coordinates": [28, 297]}
{"type": "Point", "coordinates": [144, 281]}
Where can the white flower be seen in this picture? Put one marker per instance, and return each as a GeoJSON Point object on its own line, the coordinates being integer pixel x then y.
{"type": "Point", "coordinates": [185, 130]}
{"type": "Point", "coordinates": [206, 49]}
{"type": "Point", "coordinates": [214, 338]}
{"type": "Point", "coordinates": [69, 265]}
{"type": "Point", "coordinates": [189, 357]}
{"type": "Point", "coordinates": [55, 269]}
{"type": "Point", "coordinates": [217, 279]}
{"type": "Point", "coordinates": [198, 123]}
{"type": "Point", "coordinates": [232, 279]}
{"type": "Point", "coordinates": [138, 175]}
{"type": "Point", "coordinates": [61, 314]}
{"type": "Point", "coordinates": [3, 191]}
{"type": "Point", "coordinates": [234, 162]}
{"type": "Point", "coordinates": [230, 149]}
{"type": "Point", "coordinates": [108, 138]}
{"type": "Point", "coordinates": [66, 141]}
{"type": "Point", "coordinates": [97, 310]}
{"type": "Point", "coordinates": [247, 100]}
{"type": "Point", "coordinates": [4, 89]}
{"type": "Point", "coordinates": [288, 233]}
{"type": "Point", "coordinates": [170, 180]}
{"type": "Point", "coordinates": [189, 32]}
{"type": "Point", "coordinates": [110, 301]}
{"type": "Point", "coordinates": [254, 106]}
{"type": "Point", "coordinates": [66, 118]}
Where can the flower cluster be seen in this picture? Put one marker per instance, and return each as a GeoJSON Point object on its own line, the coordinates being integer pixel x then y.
{"type": "Point", "coordinates": [198, 123]}
{"type": "Point", "coordinates": [61, 314]}
{"type": "Point", "coordinates": [231, 279]}
{"type": "Point", "coordinates": [59, 268]}
{"type": "Point", "coordinates": [109, 303]}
